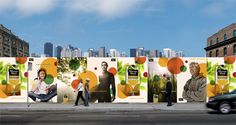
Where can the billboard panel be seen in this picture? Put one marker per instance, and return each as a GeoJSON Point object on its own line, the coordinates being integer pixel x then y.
{"type": "Point", "coordinates": [42, 76]}
{"type": "Point", "coordinates": [69, 72]}
{"type": "Point", "coordinates": [221, 75]}
{"type": "Point", "coordinates": [132, 80]}
{"type": "Point", "coordinates": [159, 69]}
{"type": "Point", "coordinates": [13, 78]}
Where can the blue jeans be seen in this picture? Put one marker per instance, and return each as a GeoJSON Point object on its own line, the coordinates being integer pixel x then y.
{"type": "Point", "coordinates": [42, 97]}
{"type": "Point", "coordinates": [86, 98]}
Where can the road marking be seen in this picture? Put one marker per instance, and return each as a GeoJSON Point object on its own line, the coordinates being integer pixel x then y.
{"type": "Point", "coordinates": [104, 116]}
{"type": "Point", "coordinates": [10, 115]}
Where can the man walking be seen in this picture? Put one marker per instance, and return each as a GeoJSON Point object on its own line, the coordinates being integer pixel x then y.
{"type": "Point", "coordinates": [86, 92]}
{"type": "Point", "coordinates": [168, 91]}
{"type": "Point", "coordinates": [80, 93]}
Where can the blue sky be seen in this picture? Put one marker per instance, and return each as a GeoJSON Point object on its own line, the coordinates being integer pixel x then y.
{"type": "Point", "coordinates": [120, 24]}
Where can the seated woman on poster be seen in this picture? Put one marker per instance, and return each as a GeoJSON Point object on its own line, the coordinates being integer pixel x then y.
{"type": "Point", "coordinates": [42, 91]}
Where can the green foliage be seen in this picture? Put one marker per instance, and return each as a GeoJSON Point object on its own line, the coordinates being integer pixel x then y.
{"type": "Point", "coordinates": [74, 64]}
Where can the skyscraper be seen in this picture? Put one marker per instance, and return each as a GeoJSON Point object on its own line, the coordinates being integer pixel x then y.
{"type": "Point", "coordinates": [67, 51]}
{"type": "Point", "coordinates": [167, 52]}
{"type": "Point", "coordinates": [90, 52]}
{"type": "Point", "coordinates": [57, 52]}
{"type": "Point", "coordinates": [101, 52]}
{"type": "Point", "coordinates": [77, 52]}
{"type": "Point", "coordinates": [153, 53]}
{"type": "Point", "coordinates": [48, 49]}
{"type": "Point", "coordinates": [133, 52]}
{"type": "Point", "coordinates": [113, 53]}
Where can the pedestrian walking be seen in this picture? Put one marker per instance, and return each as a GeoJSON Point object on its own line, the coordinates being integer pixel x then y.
{"type": "Point", "coordinates": [80, 93]}
{"type": "Point", "coordinates": [168, 91]}
{"type": "Point", "coordinates": [86, 92]}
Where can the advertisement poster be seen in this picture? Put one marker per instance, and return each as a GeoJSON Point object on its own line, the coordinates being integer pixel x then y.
{"type": "Point", "coordinates": [42, 76]}
{"type": "Point", "coordinates": [221, 75]}
{"type": "Point", "coordinates": [159, 69]}
{"type": "Point", "coordinates": [103, 78]}
{"type": "Point", "coordinates": [132, 80]}
{"type": "Point", "coordinates": [71, 72]}
{"type": "Point", "coordinates": [191, 80]}
{"type": "Point", "coordinates": [13, 78]}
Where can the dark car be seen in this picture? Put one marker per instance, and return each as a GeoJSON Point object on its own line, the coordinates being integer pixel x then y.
{"type": "Point", "coordinates": [224, 103]}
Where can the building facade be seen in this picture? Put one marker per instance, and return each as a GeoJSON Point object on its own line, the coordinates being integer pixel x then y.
{"type": "Point", "coordinates": [222, 43]}
{"type": "Point", "coordinates": [57, 52]}
{"type": "Point", "coordinates": [11, 45]}
{"type": "Point", "coordinates": [102, 52]}
{"type": "Point", "coordinates": [133, 52]}
{"type": "Point", "coordinates": [48, 49]}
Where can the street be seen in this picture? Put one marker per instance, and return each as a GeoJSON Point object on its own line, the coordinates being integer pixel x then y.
{"type": "Point", "coordinates": [156, 117]}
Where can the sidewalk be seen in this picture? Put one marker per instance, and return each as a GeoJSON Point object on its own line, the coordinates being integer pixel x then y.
{"type": "Point", "coordinates": [102, 107]}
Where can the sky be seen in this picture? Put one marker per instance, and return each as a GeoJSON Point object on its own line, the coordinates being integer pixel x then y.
{"type": "Point", "coordinates": [121, 24]}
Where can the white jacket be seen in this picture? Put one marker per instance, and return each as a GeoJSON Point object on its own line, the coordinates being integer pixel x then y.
{"type": "Point", "coordinates": [80, 87]}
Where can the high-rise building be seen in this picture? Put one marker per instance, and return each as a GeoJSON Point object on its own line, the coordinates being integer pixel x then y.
{"type": "Point", "coordinates": [67, 51]}
{"type": "Point", "coordinates": [77, 52]}
{"type": "Point", "coordinates": [180, 54]}
{"type": "Point", "coordinates": [48, 49]}
{"type": "Point", "coordinates": [167, 52]}
{"type": "Point", "coordinates": [57, 52]}
{"type": "Point", "coordinates": [173, 53]}
{"type": "Point", "coordinates": [140, 52]}
{"type": "Point", "coordinates": [95, 54]}
{"type": "Point", "coordinates": [153, 53]}
{"type": "Point", "coordinates": [11, 45]}
{"type": "Point", "coordinates": [113, 53]}
{"type": "Point", "coordinates": [91, 52]}
{"type": "Point", "coordinates": [133, 52]}
{"type": "Point", "coordinates": [222, 43]}
{"type": "Point", "coordinates": [101, 52]}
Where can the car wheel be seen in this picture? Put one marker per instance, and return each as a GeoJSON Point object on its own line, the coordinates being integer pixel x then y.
{"type": "Point", "coordinates": [224, 107]}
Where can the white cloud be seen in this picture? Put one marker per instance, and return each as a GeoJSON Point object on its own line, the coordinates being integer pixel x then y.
{"type": "Point", "coordinates": [105, 8]}
{"type": "Point", "coordinates": [26, 7]}
{"type": "Point", "coordinates": [29, 7]}
{"type": "Point", "coordinates": [219, 7]}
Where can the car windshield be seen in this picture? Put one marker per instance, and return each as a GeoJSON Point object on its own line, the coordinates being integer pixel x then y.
{"type": "Point", "coordinates": [233, 92]}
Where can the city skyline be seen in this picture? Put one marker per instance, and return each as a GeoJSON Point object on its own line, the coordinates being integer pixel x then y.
{"type": "Point", "coordinates": [71, 51]}
{"type": "Point", "coordinates": [122, 24]}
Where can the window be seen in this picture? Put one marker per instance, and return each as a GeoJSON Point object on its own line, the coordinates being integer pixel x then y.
{"type": "Point", "coordinates": [225, 51]}
{"type": "Point", "coordinates": [217, 53]}
{"type": "Point", "coordinates": [210, 55]}
{"type": "Point", "coordinates": [234, 49]}
{"type": "Point", "coordinates": [217, 40]}
{"type": "Point", "coordinates": [234, 33]}
{"type": "Point", "coordinates": [225, 37]}
{"type": "Point", "coordinates": [210, 42]}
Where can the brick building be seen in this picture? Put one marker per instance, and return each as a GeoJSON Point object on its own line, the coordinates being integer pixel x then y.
{"type": "Point", "coordinates": [222, 43]}
{"type": "Point", "coordinates": [11, 45]}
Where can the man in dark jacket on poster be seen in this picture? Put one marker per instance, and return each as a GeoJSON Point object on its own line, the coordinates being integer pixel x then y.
{"type": "Point", "coordinates": [168, 91]}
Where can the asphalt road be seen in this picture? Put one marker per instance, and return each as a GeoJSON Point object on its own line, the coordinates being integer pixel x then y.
{"type": "Point", "coordinates": [119, 117]}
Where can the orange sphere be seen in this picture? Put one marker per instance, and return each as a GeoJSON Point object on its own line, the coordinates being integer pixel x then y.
{"type": "Point", "coordinates": [21, 60]}
{"type": "Point", "coordinates": [140, 60]}
{"type": "Point", "coordinates": [174, 65]}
